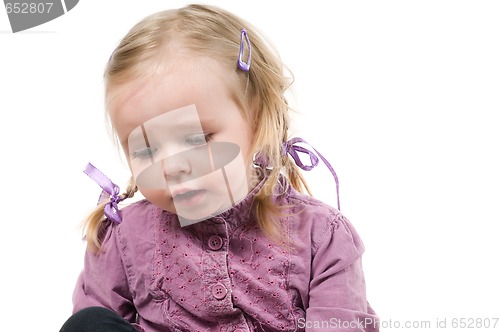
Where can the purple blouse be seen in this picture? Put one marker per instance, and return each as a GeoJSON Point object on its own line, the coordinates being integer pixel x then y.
{"type": "Point", "coordinates": [223, 274]}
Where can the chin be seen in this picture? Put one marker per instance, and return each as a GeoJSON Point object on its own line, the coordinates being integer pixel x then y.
{"type": "Point", "coordinates": [197, 216]}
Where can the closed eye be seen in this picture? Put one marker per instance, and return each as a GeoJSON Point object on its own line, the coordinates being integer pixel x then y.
{"type": "Point", "coordinates": [144, 153]}
{"type": "Point", "coordinates": [199, 139]}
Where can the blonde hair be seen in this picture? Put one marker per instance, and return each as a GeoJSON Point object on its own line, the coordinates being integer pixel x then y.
{"type": "Point", "coordinates": [213, 32]}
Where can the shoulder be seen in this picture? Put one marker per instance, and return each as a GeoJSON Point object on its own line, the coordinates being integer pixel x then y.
{"type": "Point", "coordinates": [310, 205]}
{"type": "Point", "coordinates": [138, 220]}
{"type": "Point", "coordinates": [138, 209]}
{"type": "Point", "coordinates": [323, 224]}
{"type": "Point", "coordinates": [136, 238]}
{"type": "Point", "coordinates": [311, 211]}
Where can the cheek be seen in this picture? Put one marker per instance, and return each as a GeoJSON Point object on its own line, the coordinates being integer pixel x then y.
{"type": "Point", "coordinates": [232, 178]}
{"type": "Point", "coordinates": [160, 198]}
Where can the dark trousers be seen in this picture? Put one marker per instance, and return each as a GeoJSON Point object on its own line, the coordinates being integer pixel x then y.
{"type": "Point", "coordinates": [96, 319]}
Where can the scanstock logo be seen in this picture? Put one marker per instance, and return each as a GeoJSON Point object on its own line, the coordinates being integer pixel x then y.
{"type": "Point", "coordinates": [27, 14]}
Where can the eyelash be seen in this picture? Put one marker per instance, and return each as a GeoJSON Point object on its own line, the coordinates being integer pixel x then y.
{"type": "Point", "coordinates": [207, 137]}
{"type": "Point", "coordinates": [147, 153]}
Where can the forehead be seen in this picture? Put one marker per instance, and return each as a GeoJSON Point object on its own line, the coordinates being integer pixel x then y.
{"type": "Point", "coordinates": [196, 81]}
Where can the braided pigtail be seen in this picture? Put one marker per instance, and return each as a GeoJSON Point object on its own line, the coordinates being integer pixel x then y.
{"type": "Point", "coordinates": [269, 214]}
{"type": "Point", "coordinates": [96, 222]}
{"type": "Point", "coordinates": [294, 175]}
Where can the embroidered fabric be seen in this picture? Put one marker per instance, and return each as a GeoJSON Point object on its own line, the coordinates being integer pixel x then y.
{"type": "Point", "coordinates": [250, 270]}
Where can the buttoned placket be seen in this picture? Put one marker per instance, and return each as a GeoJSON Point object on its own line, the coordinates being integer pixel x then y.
{"type": "Point", "coordinates": [216, 273]}
{"type": "Point", "coordinates": [215, 270]}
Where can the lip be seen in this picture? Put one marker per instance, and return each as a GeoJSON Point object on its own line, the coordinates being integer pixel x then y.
{"type": "Point", "coordinates": [188, 197]}
{"type": "Point", "coordinates": [179, 191]}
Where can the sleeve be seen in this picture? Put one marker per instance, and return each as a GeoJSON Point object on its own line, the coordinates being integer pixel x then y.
{"type": "Point", "coordinates": [103, 281]}
{"type": "Point", "coordinates": [337, 293]}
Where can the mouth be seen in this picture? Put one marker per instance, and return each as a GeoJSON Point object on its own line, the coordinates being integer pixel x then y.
{"type": "Point", "coordinates": [188, 198]}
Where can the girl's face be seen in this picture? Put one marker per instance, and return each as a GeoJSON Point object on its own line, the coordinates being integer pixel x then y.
{"type": "Point", "coordinates": [184, 137]}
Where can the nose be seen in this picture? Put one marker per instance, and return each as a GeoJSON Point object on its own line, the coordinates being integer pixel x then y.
{"type": "Point", "coordinates": [175, 166]}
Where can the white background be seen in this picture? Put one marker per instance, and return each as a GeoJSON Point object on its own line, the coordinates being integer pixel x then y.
{"type": "Point", "coordinates": [402, 97]}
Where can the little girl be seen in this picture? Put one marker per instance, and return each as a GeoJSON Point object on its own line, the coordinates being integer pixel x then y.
{"type": "Point", "coordinates": [224, 240]}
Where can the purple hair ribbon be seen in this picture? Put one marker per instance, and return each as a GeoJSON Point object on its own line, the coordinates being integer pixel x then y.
{"type": "Point", "coordinates": [293, 150]}
{"type": "Point", "coordinates": [245, 66]}
{"type": "Point", "coordinates": [109, 191]}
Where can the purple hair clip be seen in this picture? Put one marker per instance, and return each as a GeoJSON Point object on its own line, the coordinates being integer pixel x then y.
{"type": "Point", "coordinates": [245, 66]}
{"type": "Point", "coordinates": [293, 150]}
{"type": "Point", "coordinates": [109, 191]}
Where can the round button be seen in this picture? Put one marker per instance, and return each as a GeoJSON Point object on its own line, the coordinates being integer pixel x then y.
{"type": "Point", "coordinates": [219, 291]}
{"type": "Point", "coordinates": [215, 242]}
